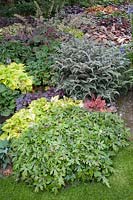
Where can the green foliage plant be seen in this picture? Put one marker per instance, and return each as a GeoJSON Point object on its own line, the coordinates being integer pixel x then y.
{"type": "Point", "coordinates": [7, 100]}
{"type": "Point", "coordinates": [60, 143]}
{"type": "Point", "coordinates": [14, 51]}
{"type": "Point", "coordinates": [11, 29]}
{"type": "Point", "coordinates": [83, 68]}
{"type": "Point", "coordinates": [39, 65]}
{"type": "Point", "coordinates": [5, 158]}
{"type": "Point", "coordinates": [107, 2]}
{"type": "Point", "coordinates": [22, 8]}
{"type": "Point", "coordinates": [25, 118]}
{"type": "Point", "coordinates": [76, 33]}
{"type": "Point", "coordinates": [36, 55]}
{"type": "Point", "coordinates": [15, 77]}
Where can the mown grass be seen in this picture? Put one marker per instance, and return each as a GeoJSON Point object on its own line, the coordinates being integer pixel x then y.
{"type": "Point", "coordinates": [121, 185]}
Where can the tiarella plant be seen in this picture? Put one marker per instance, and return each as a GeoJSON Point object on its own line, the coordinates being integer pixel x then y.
{"type": "Point", "coordinates": [84, 68]}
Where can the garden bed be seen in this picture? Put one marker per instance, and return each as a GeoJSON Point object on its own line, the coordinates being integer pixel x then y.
{"type": "Point", "coordinates": [60, 79]}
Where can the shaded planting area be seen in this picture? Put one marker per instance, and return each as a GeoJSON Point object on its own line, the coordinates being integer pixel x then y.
{"type": "Point", "coordinates": [60, 78]}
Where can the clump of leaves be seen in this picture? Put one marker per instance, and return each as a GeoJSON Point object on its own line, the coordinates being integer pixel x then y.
{"type": "Point", "coordinates": [38, 66]}
{"type": "Point", "coordinates": [15, 77]}
{"type": "Point", "coordinates": [24, 100]}
{"type": "Point", "coordinates": [7, 100]}
{"type": "Point", "coordinates": [5, 157]}
{"type": "Point", "coordinates": [11, 29]}
{"type": "Point", "coordinates": [102, 9]}
{"type": "Point", "coordinates": [84, 68]}
{"type": "Point", "coordinates": [75, 9]}
{"type": "Point", "coordinates": [63, 143]}
{"type": "Point", "coordinates": [43, 35]}
{"type": "Point", "coordinates": [25, 118]}
{"type": "Point", "coordinates": [14, 51]}
{"type": "Point", "coordinates": [95, 104]}
{"type": "Point", "coordinates": [35, 55]}
{"type": "Point", "coordinates": [72, 31]}
{"type": "Point", "coordinates": [81, 21]}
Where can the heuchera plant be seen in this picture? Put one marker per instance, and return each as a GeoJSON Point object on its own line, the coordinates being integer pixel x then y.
{"type": "Point", "coordinates": [95, 104]}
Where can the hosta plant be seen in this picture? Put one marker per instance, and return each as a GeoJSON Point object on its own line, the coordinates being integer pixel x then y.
{"type": "Point", "coordinates": [15, 77]}
{"type": "Point", "coordinates": [84, 68]}
{"type": "Point", "coordinates": [60, 143]}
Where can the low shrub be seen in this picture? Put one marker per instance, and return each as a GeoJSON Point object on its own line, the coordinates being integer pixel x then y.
{"type": "Point", "coordinates": [84, 68]}
{"type": "Point", "coordinates": [60, 143]}
{"type": "Point", "coordinates": [7, 100]}
{"type": "Point", "coordinates": [15, 77]}
{"type": "Point", "coordinates": [82, 21]}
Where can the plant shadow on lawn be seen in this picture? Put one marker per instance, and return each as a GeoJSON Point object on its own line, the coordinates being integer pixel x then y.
{"type": "Point", "coordinates": [121, 185]}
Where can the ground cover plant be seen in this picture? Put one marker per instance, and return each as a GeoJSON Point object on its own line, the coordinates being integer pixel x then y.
{"type": "Point", "coordinates": [100, 23]}
{"type": "Point", "coordinates": [69, 145]}
{"type": "Point", "coordinates": [121, 185]}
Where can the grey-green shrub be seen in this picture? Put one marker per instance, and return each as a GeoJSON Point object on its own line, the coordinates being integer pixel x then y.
{"type": "Point", "coordinates": [61, 143]}
{"type": "Point", "coordinates": [83, 68]}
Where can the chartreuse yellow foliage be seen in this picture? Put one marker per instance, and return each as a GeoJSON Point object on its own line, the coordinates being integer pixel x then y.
{"type": "Point", "coordinates": [15, 77]}
{"type": "Point", "coordinates": [37, 110]}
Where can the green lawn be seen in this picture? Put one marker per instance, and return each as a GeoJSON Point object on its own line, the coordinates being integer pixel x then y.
{"type": "Point", "coordinates": [121, 185]}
